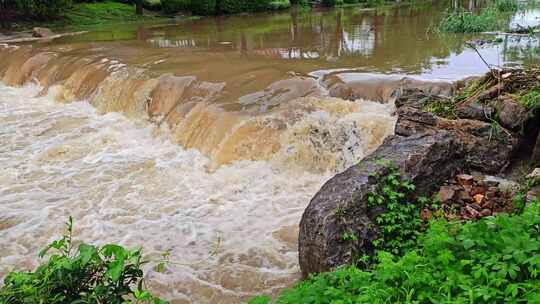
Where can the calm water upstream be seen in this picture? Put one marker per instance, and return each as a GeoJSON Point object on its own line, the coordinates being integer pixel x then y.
{"type": "Point", "coordinates": [207, 138]}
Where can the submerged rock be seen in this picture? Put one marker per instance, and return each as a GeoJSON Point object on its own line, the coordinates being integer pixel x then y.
{"type": "Point", "coordinates": [351, 85]}
{"type": "Point", "coordinates": [42, 32]}
{"type": "Point", "coordinates": [341, 204]}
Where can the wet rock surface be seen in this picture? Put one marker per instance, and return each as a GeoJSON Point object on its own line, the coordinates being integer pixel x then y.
{"type": "Point", "coordinates": [487, 147]}
{"type": "Point", "coordinates": [351, 85]}
{"type": "Point", "coordinates": [341, 204]}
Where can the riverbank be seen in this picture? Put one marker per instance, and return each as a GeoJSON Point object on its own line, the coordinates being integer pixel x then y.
{"type": "Point", "coordinates": [456, 171]}
{"type": "Point", "coordinates": [174, 118]}
{"type": "Point", "coordinates": [85, 15]}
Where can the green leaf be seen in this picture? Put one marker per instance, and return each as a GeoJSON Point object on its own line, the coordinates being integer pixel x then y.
{"type": "Point", "coordinates": [86, 253]}
{"type": "Point", "coordinates": [115, 269]}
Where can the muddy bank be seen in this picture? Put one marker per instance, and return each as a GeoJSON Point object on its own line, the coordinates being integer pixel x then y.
{"type": "Point", "coordinates": [486, 128]}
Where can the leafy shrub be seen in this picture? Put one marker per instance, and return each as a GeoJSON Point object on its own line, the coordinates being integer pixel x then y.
{"type": "Point", "coordinates": [110, 274]}
{"type": "Point", "coordinates": [203, 7]}
{"type": "Point", "coordinates": [153, 5]}
{"type": "Point", "coordinates": [279, 5]}
{"type": "Point", "coordinates": [531, 99]}
{"type": "Point", "coordinates": [400, 223]}
{"type": "Point", "coordinates": [374, 3]}
{"type": "Point", "coordinates": [507, 5]}
{"type": "Point", "coordinates": [494, 260]}
{"type": "Point", "coordinates": [173, 6]}
{"type": "Point", "coordinates": [331, 2]}
{"type": "Point", "coordinates": [462, 21]}
{"type": "Point", "coordinates": [42, 9]}
{"type": "Point", "coordinates": [238, 6]}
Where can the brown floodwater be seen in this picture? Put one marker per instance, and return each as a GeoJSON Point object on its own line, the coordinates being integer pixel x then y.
{"type": "Point", "coordinates": [206, 138]}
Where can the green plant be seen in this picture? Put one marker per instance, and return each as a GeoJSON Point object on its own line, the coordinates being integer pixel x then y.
{"type": "Point", "coordinates": [42, 9]}
{"type": "Point", "coordinates": [462, 21]}
{"type": "Point", "coordinates": [331, 2]}
{"type": "Point", "coordinates": [441, 107]}
{"type": "Point", "coordinates": [203, 7]}
{"type": "Point", "coordinates": [173, 6]}
{"type": "Point", "coordinates": [494, 260]}
{"type": "Point", "coordinates": [109, 274]}
{"type": "Point", "coordinates": [531, 99]}
{"type": "Point", "coordinates": [507, 5]}
{"type": "Point", "coordinates": [400, 222]}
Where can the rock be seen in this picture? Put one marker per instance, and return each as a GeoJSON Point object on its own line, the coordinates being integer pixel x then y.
{"type": "Point", "coordinates": [446, 193]}
{"type": "Point", "coordinates": [341, 204]}
{"type": "Point", "coordinates": [512, 115]}
{"type": "Point", "coordinates": [472, 212]}
{"type": "Point", "coordinates": [476, 111]}
{"type": "Point", "coordinates": [488, 148]}
{"type": "Point", "coordinates": [534, 174]}
{"type": "Point", "coordinates": [504, 185]}
{"type": "Point", "coordinates": [478, 198]}
{"type": "Point", "coordinates": [464, 196]}
{"type": "Point", "coordinates": [42, 32]}
{"type": "Point", "coordinates": [426, 214]}
{"type": "Point", "coordinates": [485, 212]}
{"type": "Point", "coordinates": [478, 190]}
{"type": "Point", "coordinates": [465, 179]}
{"type": "Point", "coordinates": [533, 194]}
{"type": "Point", "coordinates": [535, 157]}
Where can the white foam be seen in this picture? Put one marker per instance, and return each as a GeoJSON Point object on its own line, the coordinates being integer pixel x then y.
{"type": "Point", "coordinates": [124, 184]}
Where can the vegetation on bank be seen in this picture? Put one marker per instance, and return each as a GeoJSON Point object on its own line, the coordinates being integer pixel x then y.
{"type": "Point", "coordinates": [61, 13]}
{"type": "Point", "coordinates": [80, 13]}
{"type": "Point", "coordinates": [490, 18]}
{"type": "Point", "coordinates": [86, 274]}
{"type": "Point", "coordinates": [493, 260]}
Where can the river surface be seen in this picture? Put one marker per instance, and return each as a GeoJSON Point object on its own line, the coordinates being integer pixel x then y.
{"type": "Point", "coordinates": [207, 138]}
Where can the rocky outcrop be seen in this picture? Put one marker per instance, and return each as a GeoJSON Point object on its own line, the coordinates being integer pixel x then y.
{"type": "Point", "coordinates": [341, 204]}
{"type": "Point", "coordinates": [488, 147]}
{"type": "Point", "coordinates": [427, 149]}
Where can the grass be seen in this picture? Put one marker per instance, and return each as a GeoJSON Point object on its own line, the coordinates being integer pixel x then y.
{"type": "Point", "coordinates": [462, 21]}
{"type": "Point", "coordinates": [441, 107]}
{"type": "Point", "coordinates": [83, 15]}
{"type": "Point", "coordinates": [104, 12]}
{"type": "Point", "coordinates": [493, 17]}
{"type": "Point", "coordinates": [531, 99]}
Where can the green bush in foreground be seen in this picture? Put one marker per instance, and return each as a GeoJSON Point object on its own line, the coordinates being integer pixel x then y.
{"type": "Point", "coordinates": [88, 275]}
{"type": "Point", "coordinates": [494, 260]}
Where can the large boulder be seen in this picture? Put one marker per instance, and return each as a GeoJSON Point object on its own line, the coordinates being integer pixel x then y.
{"type": "Point", "coordinates": [341, 204]}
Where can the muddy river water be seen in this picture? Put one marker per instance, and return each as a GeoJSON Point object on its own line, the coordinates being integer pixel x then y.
{"type": "Point", "coordinates": [207, 138]}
